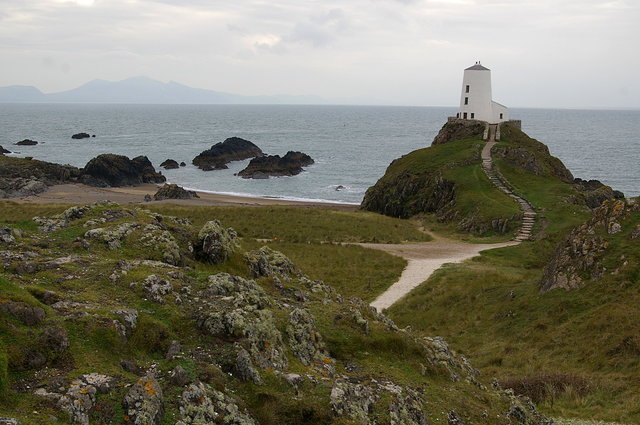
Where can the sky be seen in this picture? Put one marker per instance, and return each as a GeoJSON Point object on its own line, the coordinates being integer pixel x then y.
{"type": "Point", "coordinates": [542, 53]}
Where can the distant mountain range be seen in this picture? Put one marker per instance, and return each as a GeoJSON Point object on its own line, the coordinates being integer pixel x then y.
{"type": "Point", "coordinates": [142, 90]}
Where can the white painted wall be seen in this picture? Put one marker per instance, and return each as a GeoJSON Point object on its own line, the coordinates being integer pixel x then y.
{"type": "Point", "coordinates": [475, 97]}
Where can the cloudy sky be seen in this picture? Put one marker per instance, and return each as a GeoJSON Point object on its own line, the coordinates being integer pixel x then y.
{"type": "Point", "coordinates": [542, 53]}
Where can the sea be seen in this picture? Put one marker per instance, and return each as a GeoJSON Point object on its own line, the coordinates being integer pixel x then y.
{"type": "Point", "coordinates": [351, 145]}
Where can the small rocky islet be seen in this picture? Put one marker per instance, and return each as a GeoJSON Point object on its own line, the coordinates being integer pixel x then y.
{"type": "Point", "coordinates": [261, 166]}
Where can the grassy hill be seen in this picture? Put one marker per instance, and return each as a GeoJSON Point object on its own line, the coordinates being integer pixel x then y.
{"type": "Point", "coordinates": [446, 181]}
{"type": "Point", "coordinates": [575, 352]}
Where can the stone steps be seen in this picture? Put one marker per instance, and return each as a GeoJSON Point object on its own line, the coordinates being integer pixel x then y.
{"type": "Point", "coordinates": [528, 214]}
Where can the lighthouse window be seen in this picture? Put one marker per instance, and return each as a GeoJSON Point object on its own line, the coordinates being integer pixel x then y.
{"type": "Point", "coordinates": [500, 116]}
{"type": "Point", "coordinates": [467, 89]}
{"type": "Point", "coordinates": [473, 115]}
{"type": "Point", "coordinates": [464, 115]}
{"type": "Point", "coordinates": [466, 100]}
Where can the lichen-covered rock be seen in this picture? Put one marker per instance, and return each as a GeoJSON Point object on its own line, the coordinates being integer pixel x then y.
{"type": "Point", "coordinates": [6, 236]}
{"type": "Point", "coordinates": [111, 236]}
{"type": "Point", "coordinates": [406, 409]}
{"type": "Point", "coordinates": [306, 342]}
{"type": "Point", "coordinates": [162, 241]}
{"type": "Point", "coordinates": [28, 315]}
{"type": "Point", "coordinates": [130, 318]}
{"type": "Point", "coordinates": [244, 292]}
{"type": "Point", "coordinates": [245, 370]}
{"type": "Point", "coordinates": [64, 219]}
{"type": "Point", "coordinates": [155, 288]}
{"type": "Point", "coordinates": [579, 256]}
{"type": "Point", "coordinates": [54, 339]}
{"type": "Point", "coordinates": [353, 400]}
{"type": "Point", "coordinates": [235, 307]}
{"type": "Point", "coordinates": [80, 397]}
{"type": "Point", "coordinates": [215, 244]}
{"type": "Point", "coordinates": [174, 349]}
{"type": "Point", "coordinates": [144, 404]}
{"type": "Point", "coordinates": [179, 377]}
{"type": "Point", "coordinates": [454, 419]}
{"type": "Point", "coordinates": [523, 412]}
{"type": "Point", "coordinates": [268, 262]}
{"type": "Point", "coordinates": [438, 353]}
{"type": "Point", "coordinates": [200, 404]}
{"type": "Point", "coordinates": [5, 420]}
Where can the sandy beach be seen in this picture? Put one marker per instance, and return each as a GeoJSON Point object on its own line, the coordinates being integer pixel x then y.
{"type": "Point", "coordinates": [82, 194]}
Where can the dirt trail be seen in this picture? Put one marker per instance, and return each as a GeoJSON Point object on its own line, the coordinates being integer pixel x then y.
{"type": "Point", "coordinates": [422, 260]}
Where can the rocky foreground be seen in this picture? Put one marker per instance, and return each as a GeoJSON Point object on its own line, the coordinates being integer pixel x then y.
{"type": "Point", "coordinates": [120, 315]}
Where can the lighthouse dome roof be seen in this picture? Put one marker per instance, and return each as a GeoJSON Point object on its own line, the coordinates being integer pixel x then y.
{"type": "Point", "coordinates": [477, 67]}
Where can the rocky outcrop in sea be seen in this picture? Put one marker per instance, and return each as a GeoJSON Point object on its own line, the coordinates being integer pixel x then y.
{"type": "Point", "coordinates": [232, 149]}
{"type": "Point", "coordinates": [117, 170]}
{"type": "Point", "coordinates": [263, 167]}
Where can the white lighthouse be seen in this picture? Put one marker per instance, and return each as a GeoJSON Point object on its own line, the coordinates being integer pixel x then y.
{"type": "Point", "coordinates": [475, 99]}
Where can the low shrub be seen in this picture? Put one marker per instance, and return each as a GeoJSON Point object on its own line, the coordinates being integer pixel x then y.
{"type": "Point", "coordinates": [547, 386]}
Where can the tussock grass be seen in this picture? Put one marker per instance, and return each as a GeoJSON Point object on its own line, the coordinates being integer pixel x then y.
{"type": "Point", "coordinates": [352, 270]}
{"type": "Point", "coordinates": [294, 224]}
{"type": "Point", "coordinates": [548, 386]}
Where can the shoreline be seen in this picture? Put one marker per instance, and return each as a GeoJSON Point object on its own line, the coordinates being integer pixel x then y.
{"type": "Point", "coordinates": [77, 193]}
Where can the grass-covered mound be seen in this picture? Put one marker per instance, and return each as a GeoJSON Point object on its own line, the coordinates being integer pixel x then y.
{"type": "Point", "coordinates": [447, 180]}
{"type": "Point", "coordinates": [116, 315]}
{"type": "Point", "coordinates": [556, 319]}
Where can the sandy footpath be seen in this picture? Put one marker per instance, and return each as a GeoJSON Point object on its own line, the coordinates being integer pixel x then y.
{"type": "Point", "coordinates": [82, 194]}
{"type": "Point", "coordinates": [422, 260]}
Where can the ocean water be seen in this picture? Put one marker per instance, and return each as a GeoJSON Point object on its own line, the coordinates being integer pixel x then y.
{"type": "Point", "coordinates": [352, 145]}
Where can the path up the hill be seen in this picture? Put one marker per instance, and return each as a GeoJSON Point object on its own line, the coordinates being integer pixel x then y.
{"type": "Point", "coordinates": [528, 212]}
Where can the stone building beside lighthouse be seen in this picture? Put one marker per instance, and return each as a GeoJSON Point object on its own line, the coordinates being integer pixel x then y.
{"type": "Point", "coordinates": [475, 100]}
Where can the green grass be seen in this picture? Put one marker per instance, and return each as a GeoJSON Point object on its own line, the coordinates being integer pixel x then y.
{"type": "Point", "coordinates": [294, 224]}
{"type": "Point", "coordinates": [476, 192]}
{"type": "Point", "coordinates": [491, 310]}
{"type": "Point", "coordinates": [350, 269]}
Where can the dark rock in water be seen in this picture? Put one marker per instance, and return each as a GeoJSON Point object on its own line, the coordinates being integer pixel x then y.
{"type": "Point", "coordinates": [148, 198]}
{"type": "Point", "coordinates": [208, 167]}
{"type": "Point", "coordinates": [3, 151]}
{"type": "Point", "coordinates": [182, 164]}
{"type": "Point", "coordinates": [173, 191]}
{"type": "Point", "coordinates": [118, 170]}
{"type": "Point", "coordinates": [81, 136]}
{"type": "Point", "coordinates": [93, 135]}
{"type": "Point", "coordinates": [273, 165]}
{"type": "Point", "coordinates": [170, 164]}
{"type": "Point", "coordinates": [232, 149]}
{"type": "Point", "coordinates": [339, 187]}
{"type": "Point", "coordinates": [27, 142]}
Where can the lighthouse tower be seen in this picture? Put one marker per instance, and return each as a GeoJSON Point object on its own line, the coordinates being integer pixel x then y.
{"type": "Point", "coordinates": [475, 99]}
